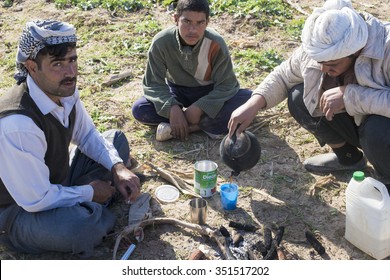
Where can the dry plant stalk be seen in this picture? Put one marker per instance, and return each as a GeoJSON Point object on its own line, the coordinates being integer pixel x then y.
{"type": "Point", "coordinates": [269, 197]}
{"type": "Point", "coordinates": [297, 7]}
{"type": "Point", "coordinates": [116, 78]}
{"type": "Point", "coordinates": [322, 183]}
{"type": "Point", "coordinates": [182, 185]}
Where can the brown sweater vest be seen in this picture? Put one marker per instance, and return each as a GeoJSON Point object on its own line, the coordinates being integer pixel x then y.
{"type": "Point", "coordinates": [18, 101]}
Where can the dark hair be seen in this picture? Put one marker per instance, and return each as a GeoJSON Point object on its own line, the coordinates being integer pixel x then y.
{"type": "Point", "coordinates": [194, 6]}
{"type": "Point", "coordinates": [59, 50]}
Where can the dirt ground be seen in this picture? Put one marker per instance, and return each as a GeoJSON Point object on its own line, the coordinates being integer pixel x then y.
{"type": "Point", "coordinates": [277, 192]}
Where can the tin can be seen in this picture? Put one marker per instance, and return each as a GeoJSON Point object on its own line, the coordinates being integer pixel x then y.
{"type": "Point", "coordinates": [205, 177]}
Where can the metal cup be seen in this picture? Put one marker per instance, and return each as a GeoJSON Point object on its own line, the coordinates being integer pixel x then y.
{"type": "Point", "coordinates": [198, 209]}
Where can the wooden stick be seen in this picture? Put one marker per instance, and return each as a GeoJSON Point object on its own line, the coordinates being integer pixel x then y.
{"type": "Point", "coordinates": [280, 253]}
{"type": "Point", "coordinates": [201, 229]}
{"type": "Point", "coordinates": [197, 255]}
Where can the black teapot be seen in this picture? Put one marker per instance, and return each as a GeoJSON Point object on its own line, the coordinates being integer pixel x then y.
{"type": "Point", "coordinates": [241, 152]}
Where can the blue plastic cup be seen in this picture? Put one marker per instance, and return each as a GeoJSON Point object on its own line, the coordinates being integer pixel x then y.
{"type": "Point", "coordinates": [229, 194]}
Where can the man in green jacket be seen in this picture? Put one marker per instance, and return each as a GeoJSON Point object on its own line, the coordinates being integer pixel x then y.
{"type": "Point", "coordinates": [189, 83]}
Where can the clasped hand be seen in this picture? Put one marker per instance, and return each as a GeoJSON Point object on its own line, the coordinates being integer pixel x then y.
{"type": "Point", "coordinates": [127, 183]}
{"type": "Point", "coordinates": [332, 102]}
{"type": "Point", "coordinates": [184, 122]}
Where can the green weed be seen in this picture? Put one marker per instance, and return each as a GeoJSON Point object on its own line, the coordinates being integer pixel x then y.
{"type": "Point", "coordinates": [271, 12]}
{"type": "Point", "coordinates": [294, 28]}
{"type": "Point", "coordinates": [252, 65]}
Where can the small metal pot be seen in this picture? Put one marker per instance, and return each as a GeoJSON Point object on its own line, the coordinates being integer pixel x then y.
{"type": "Point", "coordinates": [241, 152]}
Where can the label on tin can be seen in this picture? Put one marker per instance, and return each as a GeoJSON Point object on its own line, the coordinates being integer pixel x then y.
{"type": "Point", "coordinates": [206, 174]}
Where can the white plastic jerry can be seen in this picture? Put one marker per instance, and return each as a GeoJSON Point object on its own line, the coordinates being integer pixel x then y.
{"type": "Point", "coordinates": [368, 215]}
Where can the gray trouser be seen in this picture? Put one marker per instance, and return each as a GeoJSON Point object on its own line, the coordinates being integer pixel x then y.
{"type": "Point", "coordinates": [77, 229]}
{"type": "Point", "coordinates": [372, 136]}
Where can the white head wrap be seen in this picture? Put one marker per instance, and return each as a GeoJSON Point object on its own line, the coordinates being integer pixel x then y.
{"type": "Point", "coordinates": [36, 35]}
{"type": "Point", "coordinates": [334, 31]}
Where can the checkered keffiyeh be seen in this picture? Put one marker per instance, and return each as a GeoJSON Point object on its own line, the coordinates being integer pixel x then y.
{"type": "Point", "coordinates": [38, 34]}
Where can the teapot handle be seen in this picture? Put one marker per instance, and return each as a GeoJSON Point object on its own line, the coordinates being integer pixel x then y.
{"type": "Point", "coordinates": [233, 139]}
{"type": "Point", "coordinates": [234, 136]}
{"type": "Point", "coordinates": [232, 143]}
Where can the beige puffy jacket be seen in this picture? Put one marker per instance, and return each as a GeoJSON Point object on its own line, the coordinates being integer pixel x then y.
{"type": "Point", "coordinates": [372, 69]}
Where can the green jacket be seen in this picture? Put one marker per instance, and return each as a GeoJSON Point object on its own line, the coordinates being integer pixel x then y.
{"type": "Point", "coordinates": [208, 62]}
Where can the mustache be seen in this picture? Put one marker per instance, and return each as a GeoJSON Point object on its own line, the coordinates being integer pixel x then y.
{"type": "Point", "coordinates": [68, 80]}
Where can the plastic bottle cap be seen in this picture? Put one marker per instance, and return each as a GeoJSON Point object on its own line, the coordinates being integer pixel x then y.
{"type": "Point", "coordinates": [358, 175]}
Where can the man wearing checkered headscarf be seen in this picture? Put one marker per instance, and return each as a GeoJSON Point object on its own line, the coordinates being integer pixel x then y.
{"type": "Point", "coordinates": [337, 84]}
{"type": "Point", "coordinates": [44, 190]}
{"type": "Point", "coordinates": [38, 34]}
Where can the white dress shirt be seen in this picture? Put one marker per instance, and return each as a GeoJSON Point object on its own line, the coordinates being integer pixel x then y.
{"type": "Point", "coordinates": [23, 147]}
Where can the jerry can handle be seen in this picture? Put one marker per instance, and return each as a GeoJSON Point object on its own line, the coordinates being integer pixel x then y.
{"type": "Point", "coordinates": [382, 189]}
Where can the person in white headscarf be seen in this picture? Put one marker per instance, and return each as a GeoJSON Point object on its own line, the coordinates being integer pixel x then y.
{"type": "Point", "coordinates": [337, 84]}
{"type": "Point", "coordinates": [45, 203]}
{"type": "Point", "coordinates": [334, 31]}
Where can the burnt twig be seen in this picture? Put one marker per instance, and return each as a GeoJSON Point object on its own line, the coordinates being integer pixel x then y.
{"type": "Point", "coordinates": [267, 238]}
{"type": "Point", "coordinates": [228, 241]}
{"type": "Point", "coordinates": [315, 243]}
{"type": "Point", "coordinates": [274, 250]}
{"type": "Point", "coordinates": [244, 227]}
